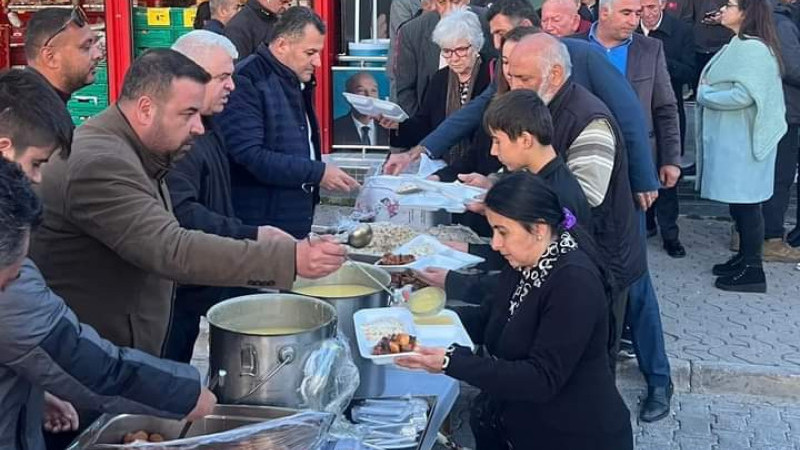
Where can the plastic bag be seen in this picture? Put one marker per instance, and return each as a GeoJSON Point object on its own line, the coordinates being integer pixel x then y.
{"type": "Point", "coordinates": [302, 431]}
{"type": "Point", "coordinates": [330, 377]}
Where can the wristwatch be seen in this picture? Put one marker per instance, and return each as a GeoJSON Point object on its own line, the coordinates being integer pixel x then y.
{"type": "Point", "coordinates": [447, 354]}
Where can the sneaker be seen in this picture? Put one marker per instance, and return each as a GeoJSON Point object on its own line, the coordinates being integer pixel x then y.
{"type": "Point", "coordinates": [626, 350]}
{"type": "Point", "coordinates": [746, 279]}
{"type": "Point", "coordinates": [729, 267]}
{"type": "Point", "coordinates": [775, 250]}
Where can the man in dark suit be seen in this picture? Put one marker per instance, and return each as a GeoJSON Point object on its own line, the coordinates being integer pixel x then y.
{"type": "Point", "coordinates": [355, 128]}
{"type": "Point", "coordinates": [641, 60]}
{"type": "Point", "coordinates": [678, 41]}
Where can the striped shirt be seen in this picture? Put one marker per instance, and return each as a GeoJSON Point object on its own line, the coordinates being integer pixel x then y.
{"type": "Point", "coordinates": [590, 158]}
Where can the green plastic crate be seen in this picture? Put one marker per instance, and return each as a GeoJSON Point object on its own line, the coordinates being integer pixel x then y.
{"type": "Point", "coordinates": [178, 18]}
{"type": "Point", "coordinates": [96, 89]}
{"type": "Point", "coordinates": [101, 75]}
{"type": "Point", "coordinates": [153, 38]}
{"type": "Point", "coordinates": [182, 18]}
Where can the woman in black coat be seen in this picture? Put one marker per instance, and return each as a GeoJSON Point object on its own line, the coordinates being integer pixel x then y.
{"type": "Point", "coordinates": [545, 379]}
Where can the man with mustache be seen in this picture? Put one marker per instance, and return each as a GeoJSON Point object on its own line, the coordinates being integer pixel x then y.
{"type": "Point", "coordinates": [62, 49]}
{"type": "Point", "coordinates": [110, 244]}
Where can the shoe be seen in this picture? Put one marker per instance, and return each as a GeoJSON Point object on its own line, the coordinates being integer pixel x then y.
{"type": "Point", "coordinates": [652, 232]}
{"type": "Point", "coordinates": [746, 279]}
{"type": "Point", "coordinates": [793, 238]}
{"type": "Point", "coordinates": [729, 267]}
{"type": "Point", "coordinates": [675, 248]}
{"type": "Point", "coordinates": [656, 405]}
{"type": "Point", "coordinates": [775, 250]}
{"type": "Point", "coordinates": [734, 240]}
{"type": "Point", "coordinates": [626, 350]}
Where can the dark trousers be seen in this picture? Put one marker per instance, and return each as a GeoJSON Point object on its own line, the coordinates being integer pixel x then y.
{"type": "Point", "coordinates": [681, 115]}
{"type": "Point", "coordinates": [644, 318]}
{"type": "Point", "coordinates": [618, 306]}
{"type": "Point", "coordinates": [665, 210]}
{"type": "Point", "coordinates": [701, 59]}
{"type": "Point", "coordinates": [786, 165]}
{"type": "Point", "coordinates": [750, 223]}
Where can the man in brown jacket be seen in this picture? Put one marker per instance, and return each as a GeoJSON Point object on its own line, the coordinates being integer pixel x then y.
{"type": "Point", "coordinates": [109, 243]}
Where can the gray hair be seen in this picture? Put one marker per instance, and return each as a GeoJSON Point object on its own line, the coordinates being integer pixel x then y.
{"type": "Point", "coordinates": [606, 4]}
{"type": "Point", "coordinates": [215, 5]}
{"type": "Point", "coordinates": [555, 53]}
{"type": "Point", "coordinates": [198, 43]}
{"type": "Point", "coordinates": [575, 3]}
{"type": "Point", "coordinates": [460, 23]}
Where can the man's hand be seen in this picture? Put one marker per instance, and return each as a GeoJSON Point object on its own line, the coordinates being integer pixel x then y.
{"type": "Point", "coordinates": [476, 180]}
{"type": "Point", "coordinates": [59, 415]}
{"type": "Point", "coordinates": [669, 176]}
{"type": "Point", "coordinates": [646, 199]}
{"type": "Point", "coordinates": [204, 406]}
{"type": "Point", "coordinates": [434, 276]}
{"type": "Point", "coordinates": [317, 257]}
{"type": "Point", "coordinates": [335, 179]}
{"type": "Point", "coordinates": [456, 245]}
{"type": "Point", "coordinates": [267, 233]}
{"type": "Point", "coordinates": [397, 162]}
{"type": "Point", "coordinates": [429, 359]}
{"type": "Point", "coordinates": [478, 207]}
{"type": "Point", "coordinates": [387, 123]}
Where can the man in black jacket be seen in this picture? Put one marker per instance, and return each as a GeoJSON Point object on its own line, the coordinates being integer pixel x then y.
{"type": "Point", "coordinates": [786, 13]}
{"type": "Point", "coordinates": [254, 23]}
{"type": "Point", "coordinates": [200, 188]}
{"type": "Point", "coordinates": [222, 11]}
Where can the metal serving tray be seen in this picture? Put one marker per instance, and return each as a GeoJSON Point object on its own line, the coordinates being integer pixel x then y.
{"type": "Point", "coordinates": [224, 418]}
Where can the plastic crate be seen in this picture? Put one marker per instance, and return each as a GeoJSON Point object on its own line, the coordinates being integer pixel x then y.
{"type": "Point", "coordinates": [182, 18]}
{"type": "Point", "coordinates": [153, 38]}
{"type": "Point", "coordinates": [101, 75]}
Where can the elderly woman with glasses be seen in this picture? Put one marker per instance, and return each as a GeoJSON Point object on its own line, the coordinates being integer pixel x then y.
{"type": "Point", "coordinates": [465, 75]}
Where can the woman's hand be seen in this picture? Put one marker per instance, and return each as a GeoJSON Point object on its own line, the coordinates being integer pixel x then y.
{"type": "Point", "coordinates": [433, 276]}
{"type": "Point", "coordinates": [59, 415]}
{"type": "Point", "coordinates": [429, 359]}
{"type": "Point", "coordinates": [387, 123]}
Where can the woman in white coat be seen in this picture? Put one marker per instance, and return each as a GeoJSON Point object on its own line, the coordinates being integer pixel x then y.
{"type": "Point", "coordinates": [740, 119]}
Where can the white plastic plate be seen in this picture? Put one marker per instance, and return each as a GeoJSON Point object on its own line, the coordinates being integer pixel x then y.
{"type": "Point", "coordinates": [370, 315]}
{"type": "Point", "coordinates": [444, 335]}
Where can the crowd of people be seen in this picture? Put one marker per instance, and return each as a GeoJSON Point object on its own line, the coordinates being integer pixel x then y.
{"type": "Point", "coordinates": [200, 183]}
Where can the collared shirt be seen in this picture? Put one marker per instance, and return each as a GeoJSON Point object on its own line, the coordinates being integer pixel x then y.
{"type": "Point", "coordinates": [646, 31]}
{"type": "Point", "coordinates": [617, 55]}
{"type": "Point", "coordinates": [373, 131]}
{"type": "Point", "coordinates": [313, 155]}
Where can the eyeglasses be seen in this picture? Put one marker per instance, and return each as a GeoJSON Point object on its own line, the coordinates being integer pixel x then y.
{"type": "Point", "coordinates": [458, 51]}
{"type": "Point", "coordinates": [78, 17]}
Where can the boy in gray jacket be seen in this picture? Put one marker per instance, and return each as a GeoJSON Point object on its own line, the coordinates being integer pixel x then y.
{"type": "Point", "coordinates": [43, 347]}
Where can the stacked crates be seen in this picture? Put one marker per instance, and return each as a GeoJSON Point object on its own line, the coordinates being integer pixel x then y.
{"type": "Point", "coordinates": [160, 27]}
{"type": "Point", "coordinates": [92, 99]}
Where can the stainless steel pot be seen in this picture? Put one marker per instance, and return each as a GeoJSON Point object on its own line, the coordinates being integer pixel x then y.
{"type": "Point", "coordinates": [265, 369]}
{"type": "Point", "coordinates": [372, 376]}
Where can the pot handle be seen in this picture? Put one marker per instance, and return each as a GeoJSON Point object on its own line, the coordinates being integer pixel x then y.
{"type": "Point", "coordinates": [286, 355]}
{"type": "Point", "coordinates": [249, 361]}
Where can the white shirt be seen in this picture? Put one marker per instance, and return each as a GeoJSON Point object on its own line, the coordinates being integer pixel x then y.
{"type": "Point", "coordinates": [313, 155]}
{"type": "Point", "coordinates": [646, 31]}
{"type": "Point", "coordinates": [373, 131]}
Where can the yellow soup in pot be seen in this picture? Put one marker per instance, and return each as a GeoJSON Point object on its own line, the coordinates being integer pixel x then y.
{"type": "Point", "coordinates": [336, 290]}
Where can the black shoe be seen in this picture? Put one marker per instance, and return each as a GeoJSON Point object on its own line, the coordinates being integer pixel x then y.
{"type": "Point", "coordinates": [746, 279]}
{"type": "Point", "coordinates": [793, 238]}
{"type": "Point", "coordinates": [656, 405]}
{"type": "Point", "coordinates": [675, 249]}
{"type": "Point", "coordinates": [729, 267]}
{"type": "Point", "coordinates": [652, 232]}
{"type": "Point", "coordinates": [689, 170]}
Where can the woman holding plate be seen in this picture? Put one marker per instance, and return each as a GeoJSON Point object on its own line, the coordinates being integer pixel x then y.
{"type": "Point", "coordinates": [544, 378]}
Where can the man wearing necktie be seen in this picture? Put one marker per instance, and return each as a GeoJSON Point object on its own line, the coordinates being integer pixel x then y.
{"type": "Point", "coordinates": [355, 128]}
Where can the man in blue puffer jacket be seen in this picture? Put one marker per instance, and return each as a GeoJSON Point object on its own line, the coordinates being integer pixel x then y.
{"type": "Point", "coordinates": [272, 133]}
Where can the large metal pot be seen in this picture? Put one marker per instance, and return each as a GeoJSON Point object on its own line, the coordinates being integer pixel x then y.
{"type": "Point", "coordinates": [266, 369]}
{"type": "Point", "coordinates": [372, 376]}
